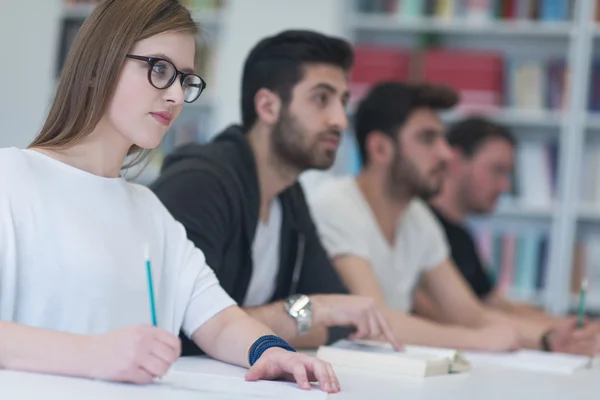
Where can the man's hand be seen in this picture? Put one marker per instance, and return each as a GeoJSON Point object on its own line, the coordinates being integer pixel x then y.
{"type": "Point", "coordinates": [348, 310]}
{"type": "Point", "coordinates": [567, 338]}
{"type": "Point", "coordinates": [277, 363]}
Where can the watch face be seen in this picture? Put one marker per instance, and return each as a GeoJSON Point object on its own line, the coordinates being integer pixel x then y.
{"type": "Point", "coordinates": [299, 304]}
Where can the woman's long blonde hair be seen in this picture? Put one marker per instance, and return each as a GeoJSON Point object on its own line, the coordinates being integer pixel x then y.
{"type": "Point", "coordinates": [94, 62]}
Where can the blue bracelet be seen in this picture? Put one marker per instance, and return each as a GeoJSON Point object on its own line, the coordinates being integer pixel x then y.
{"type": "Point", "coordinates": [266, 342]}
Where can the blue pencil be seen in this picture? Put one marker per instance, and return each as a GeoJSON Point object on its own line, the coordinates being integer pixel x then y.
{"type": "Point", "coordinates": [150, 286]}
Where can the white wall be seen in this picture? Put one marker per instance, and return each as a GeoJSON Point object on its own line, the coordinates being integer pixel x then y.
{"type": "Point", "coordinates": [28, 44]}
{"type": "Point", "coordinates": [247, 22]}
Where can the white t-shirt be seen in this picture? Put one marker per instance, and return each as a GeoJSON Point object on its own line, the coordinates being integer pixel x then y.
{"type": "Point", "coordinates": [72, 252]}
{"type": "Point", "coordinates": [347, 226]}
{"type": "Point", "coordinates": [265, 258]}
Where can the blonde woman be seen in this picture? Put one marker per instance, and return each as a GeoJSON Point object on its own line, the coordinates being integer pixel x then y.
{"type": "Point", "coordinates": [73, 285]}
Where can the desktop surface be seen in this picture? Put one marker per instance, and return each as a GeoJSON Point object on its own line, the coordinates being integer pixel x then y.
{"type": "Point", "coordinates": [200, 377]}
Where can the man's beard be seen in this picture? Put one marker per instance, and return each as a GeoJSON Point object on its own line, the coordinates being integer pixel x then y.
{"type": "Point", "coordinates": [405, 180]}
{"type": "Point", "coordinates": [290, 147]}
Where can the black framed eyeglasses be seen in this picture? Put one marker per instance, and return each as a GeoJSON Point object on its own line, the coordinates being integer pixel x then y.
{"type": "Point", "coordinates": [162, 73]}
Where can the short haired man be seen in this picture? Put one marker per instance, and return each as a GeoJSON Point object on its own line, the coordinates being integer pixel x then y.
{"type": "Point", "coordinates": [240, 202]}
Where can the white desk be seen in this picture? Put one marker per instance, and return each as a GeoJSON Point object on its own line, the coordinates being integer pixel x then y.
{"type": "Point", "coordinates": [480, 383]}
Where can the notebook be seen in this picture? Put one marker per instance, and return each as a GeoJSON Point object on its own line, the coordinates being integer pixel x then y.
{"type": "Point", "coordinates": [532, 360]}
{"type": "Point", "coordinates": [380, 357]}
{"type": "Point", "coordinates": [211, 386]}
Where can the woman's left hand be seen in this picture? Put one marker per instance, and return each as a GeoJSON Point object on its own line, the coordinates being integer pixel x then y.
{"type": "Point", "coordinates": [277, 363]}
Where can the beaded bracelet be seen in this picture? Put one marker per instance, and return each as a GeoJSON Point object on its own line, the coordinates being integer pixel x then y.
{"type": "Point", "coordinates": [266, 342]}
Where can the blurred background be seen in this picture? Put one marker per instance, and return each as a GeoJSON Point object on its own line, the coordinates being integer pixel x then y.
{"type": "Point", "coordinates": [532, 65]}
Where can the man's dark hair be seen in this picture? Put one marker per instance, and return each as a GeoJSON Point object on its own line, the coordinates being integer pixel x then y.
{"type": "Point", "coordinates": [471, 133]}
{"type": "Point", "coordinates": [277, 62]}
{"type": "Point", "coordinates": [388, 106]}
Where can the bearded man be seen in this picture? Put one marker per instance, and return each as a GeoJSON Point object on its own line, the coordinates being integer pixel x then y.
{"type": "Point", "coordinates": [385, 241]}
{"type": "Point", "coordinates": [240, 202]}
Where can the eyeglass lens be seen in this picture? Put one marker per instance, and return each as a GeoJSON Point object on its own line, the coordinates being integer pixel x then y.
{"type": "Point", "coordinates": [163, 73]}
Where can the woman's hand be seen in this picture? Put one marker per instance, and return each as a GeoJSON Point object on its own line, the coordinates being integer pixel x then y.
{"type": "Point", "coordinates": [136, 354]}
{"type": "Point", "coordinates": [277, 363]}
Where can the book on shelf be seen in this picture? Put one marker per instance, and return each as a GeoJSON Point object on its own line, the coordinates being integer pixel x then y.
{"type": "Point", "coordinates": [594, 91]}
{"type": "Point", "coordinates": [536, 173]}
{"type": "Point", "coordinates": [476, 11]}
{"type": "Point", "coordinates": [377, 63]}
{"type": "Point", "coordinates": [515, 261]}
{"type": "Point", "coordinates": [487, 81]}
{"type": "Point", "coordinates": [589, 178]}
{"type": "Point", "coordinates": [374, 356]}
{"type": "Point", "coordinates": [476, 75]}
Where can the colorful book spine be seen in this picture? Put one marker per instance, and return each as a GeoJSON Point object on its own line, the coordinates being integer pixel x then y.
{"type": "Point", "coordinates": [517, 262]}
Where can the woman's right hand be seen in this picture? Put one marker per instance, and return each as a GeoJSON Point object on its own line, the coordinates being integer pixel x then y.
{"type": "Point", "coordinates": [136, 354]}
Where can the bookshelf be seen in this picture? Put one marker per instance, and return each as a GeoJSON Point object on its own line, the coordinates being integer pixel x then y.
{"type": "Point", "coordinates": [361, 22]}
{"type": "Point", "coordinates": [565, 219]}
{"type": "Point", "coordinates": [194, 124]}
{"type": "Point", "coordinates": [524, 211]}
{"type": "Point", "coordinates": [205, 17]}
{"type": "Point", "coordinates": [519, 118]}
{"type": "Point", "coordinates": [593, 122]}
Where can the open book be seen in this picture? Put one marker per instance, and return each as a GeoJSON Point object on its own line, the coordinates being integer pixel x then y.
{"type": "Point", "coordinates": [381, 357]}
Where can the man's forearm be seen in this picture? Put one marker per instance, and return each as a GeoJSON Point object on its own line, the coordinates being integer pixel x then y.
{"type": "Point", "coordinates": [523, 310]}
{"type": "Point", "coordinates": [413, 330]}
{"type": "Point", "coordinates": [274, 316]}
{"type": "Point", "coordinates": [25, 348]}
{"type": "Point", "coordinates": [424, 306]}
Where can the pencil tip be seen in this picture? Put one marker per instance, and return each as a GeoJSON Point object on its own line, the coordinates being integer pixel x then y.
{"type": "Point", "coordinates": [146, 251]}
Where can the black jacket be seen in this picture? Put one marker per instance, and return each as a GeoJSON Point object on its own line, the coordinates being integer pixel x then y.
{"type": "Point", "coordinates": [213, 190]}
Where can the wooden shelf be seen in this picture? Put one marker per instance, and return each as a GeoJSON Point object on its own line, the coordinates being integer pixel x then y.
{"type": "Point", "coordinates": [589, 213]}
{"type": "Point", "coordinates": [524, 211]}
{"type": "Point", "coordinates": [515, 117]}
{"type": "Point", "coordinates": [391, 23]}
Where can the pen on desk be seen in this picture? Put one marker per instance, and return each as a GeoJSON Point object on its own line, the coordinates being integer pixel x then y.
{"type": "Point", "coordinates": [581, 313]}
{"type": "Point", "coordinates": [150, 285]}
{"type": "Point", "coordinates": [581, 308]}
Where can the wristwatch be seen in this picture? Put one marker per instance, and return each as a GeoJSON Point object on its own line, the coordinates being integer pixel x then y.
{"type": "Point", "coordinates": [545, 341]}
{"type": "Point", "coordinates": [299, 307]}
